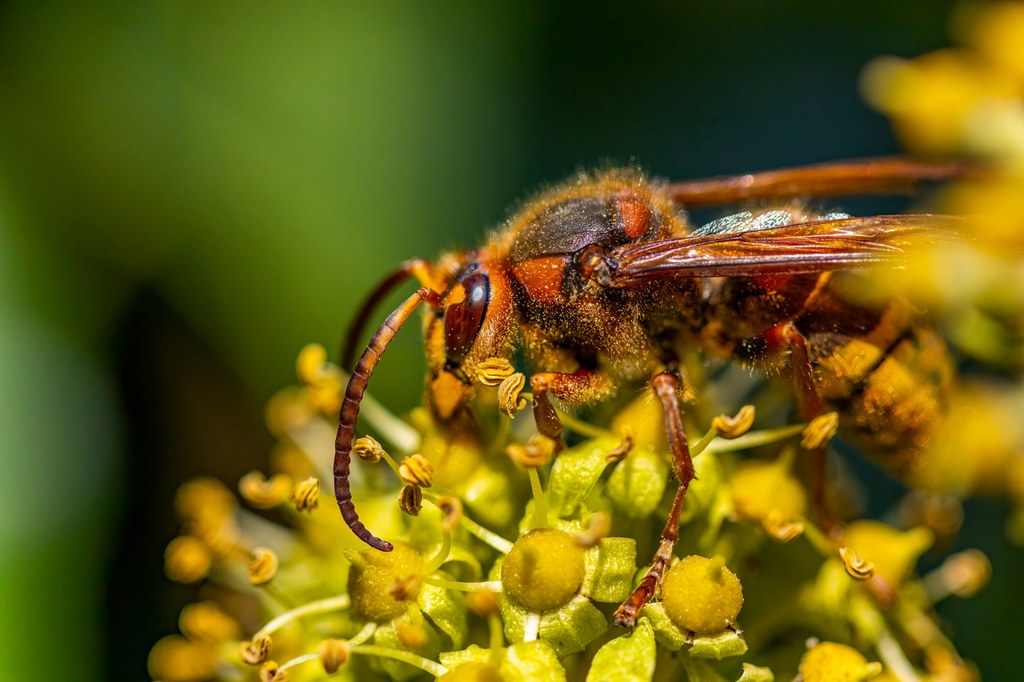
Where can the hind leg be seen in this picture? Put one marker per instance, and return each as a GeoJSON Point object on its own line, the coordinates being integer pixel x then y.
{"type": "Point", "coordinates": [666, 387]}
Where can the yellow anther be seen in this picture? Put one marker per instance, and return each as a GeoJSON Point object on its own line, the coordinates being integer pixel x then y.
{"type": "Point", "coordinates": [820, 431]}
{"type": "Point", "coordinates": [306, 494]}
{"type": "Point", "coordinates": [263, 566]}
{"type": "Point", "coordinates": [858, 567]}
{"type": "Point", "coordinates": [206, 497]}
{"type": "Point", "coordinates": [367, 449]}
{"type": "Point", "coordinates": [264, 493]}
{"type": "Point", "coordinates": [483, 603]}
{"type": "Point", "coordinates": [509, 400]}
{"type": "Point", "coordinates": [333, 653]}
{"type": "Point", "coordinates": [451, 510]}
{"type": "Point", "coordinates": [736, 425]}
{"type": "Point", "coordinates": [271, 672]}
{"type": "Point", "coordinates": [598, 529]}
{"type": "Point", "coordinates": [780, 527]}
{"type": "Point", "coordinates": [964, 573]}
{"type": "Point", "coordinates": [187, 559]}
{"type": "Point", "coordinates": [257, 650]}
{"type": "Point", "coordinates": [624, 447]}
{"type": "Point", "coordinates": [537, 452]}
{"type": "Point", "coordinates": [410, 500]}
{"type": "Point", "coordinates": [310, 363]}
{"type": "Point", "coordinates": [286, 411]}
{"type": "Point", "coordinates": [406, 588]}
{"type": "Point", "coordinates": [205, 622]}
{"type": "Point", "coordinates": [416, 470]}
{"type": "Point", "coordinates": [410, 635]}
{"type": "Point", "coordinates": [493, 371]}
{"type": "Point", "coordinates": [176, 658]}
{"type": "Point", "coordinates": [221, 535]}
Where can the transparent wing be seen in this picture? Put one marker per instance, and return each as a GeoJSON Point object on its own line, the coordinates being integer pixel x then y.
{"type": "Point", "coordinates": [882, 175]}
{"type": "Point", "coordinates": [817, 246]}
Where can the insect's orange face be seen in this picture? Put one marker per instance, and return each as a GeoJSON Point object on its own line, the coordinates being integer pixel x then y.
{"type": "Point", "coordinates": [472, 324]}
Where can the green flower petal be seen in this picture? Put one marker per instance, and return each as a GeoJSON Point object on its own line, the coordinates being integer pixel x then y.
{"type": "Point", "coordinates": [575, 472]}
{"type": "Point", "coordinates": [462, 556]}
{"type": "Point", "coordinates": [629, 658]}
{"type": "Point", "coordinates": [387, 636]}
{"type": "Point", "coordinates": [486, 495]}
{"type": "Point", "coordinates": [610, 567]}
{"type": "Point", "coordinates": [522, 662]}
{"type": "Point", "coordinates": [700, 671]}
{"type": "Point", "coordinates": [473, 652]}
{"type": "Point", "coordinates": [529, 661]}
{"type": "Point", "coordinates": [706, 489]}
{"type": "Point", "coordinates": [446, 609]}
{"type": "Point", "coordinates": [754, 673]}
{"type": "Point", "coordinates": [665, 631]}
{"type": "Point", "coordinates": [568, 629]}
{"type": "Point", "coordinates": [638, 482]}
{"type": "Point", "coordinates": [722, 645]}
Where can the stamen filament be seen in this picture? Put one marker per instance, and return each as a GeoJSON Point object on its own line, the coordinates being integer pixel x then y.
{"type": "Point", "coordinates": [392, 463]}
{"type": "Point", "coordinates": [299, 660]}
{"type": "Point", "coordinates": [438, 559]}
{"type": "Point", "coordinates": [756, 438]}
{"type": "Point", "coordinates": [497, 637]}
{"type": "Point", "coordinates": [704, 442]}
{"type": "Point", "coordinates": [363, 634]}
{"type": "Point", "coordinates": [892, 655]}
{"type": "Point", "coordinates": [485, 535]}
{"type": "Point", "coordinates": [463, 586]}
{"type": "Point", "coordinates": [540, 506]}
{"type": "Point", "coordinates": [818, 540]}
{"type": "Point", "coordinates": [425, 664]}
{"type": "Point", "coordinates": [337, 603]}
{"type": "Point", "coordinates": [581, 427]}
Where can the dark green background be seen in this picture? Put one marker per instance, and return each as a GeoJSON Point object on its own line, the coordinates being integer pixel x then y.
{"type": "Point", "coordinates": [189, 192]}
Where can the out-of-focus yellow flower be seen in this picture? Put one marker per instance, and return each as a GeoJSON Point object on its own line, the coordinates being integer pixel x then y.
{"type": "Point", "coordinates": [892, 552]}
{"type": "Point", "coordinates": [832, 662]}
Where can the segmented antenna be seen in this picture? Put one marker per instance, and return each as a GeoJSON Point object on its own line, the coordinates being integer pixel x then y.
{"type": "Point", "coordinates": [383, 288]}
{"type": "Point", "coordinates": [350, 411]}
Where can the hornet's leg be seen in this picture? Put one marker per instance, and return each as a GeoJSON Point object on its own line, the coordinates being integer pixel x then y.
{"type": "Point", "coordinates": [580, 387]}
{"type": "Point", "coordinates": [666, 386]}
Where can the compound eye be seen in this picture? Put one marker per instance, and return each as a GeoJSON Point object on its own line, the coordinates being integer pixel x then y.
{"type": "Point", "coordinates": [464, 315]}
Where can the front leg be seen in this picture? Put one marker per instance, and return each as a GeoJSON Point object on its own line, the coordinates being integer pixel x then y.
{"type": "Point", "coordinates": [666, 387]}
{"type": "Point", "coordinates": [578, 388]}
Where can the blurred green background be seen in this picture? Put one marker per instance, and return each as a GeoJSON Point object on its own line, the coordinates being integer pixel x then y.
{"type": "Point", "coordinates": [189, 192]}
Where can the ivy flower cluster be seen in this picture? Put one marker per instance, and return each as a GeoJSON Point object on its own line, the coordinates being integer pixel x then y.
{"type": "Point", "coordinates": [509, 558]}
{"type": "Point", "coordinates": [509, 561]}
